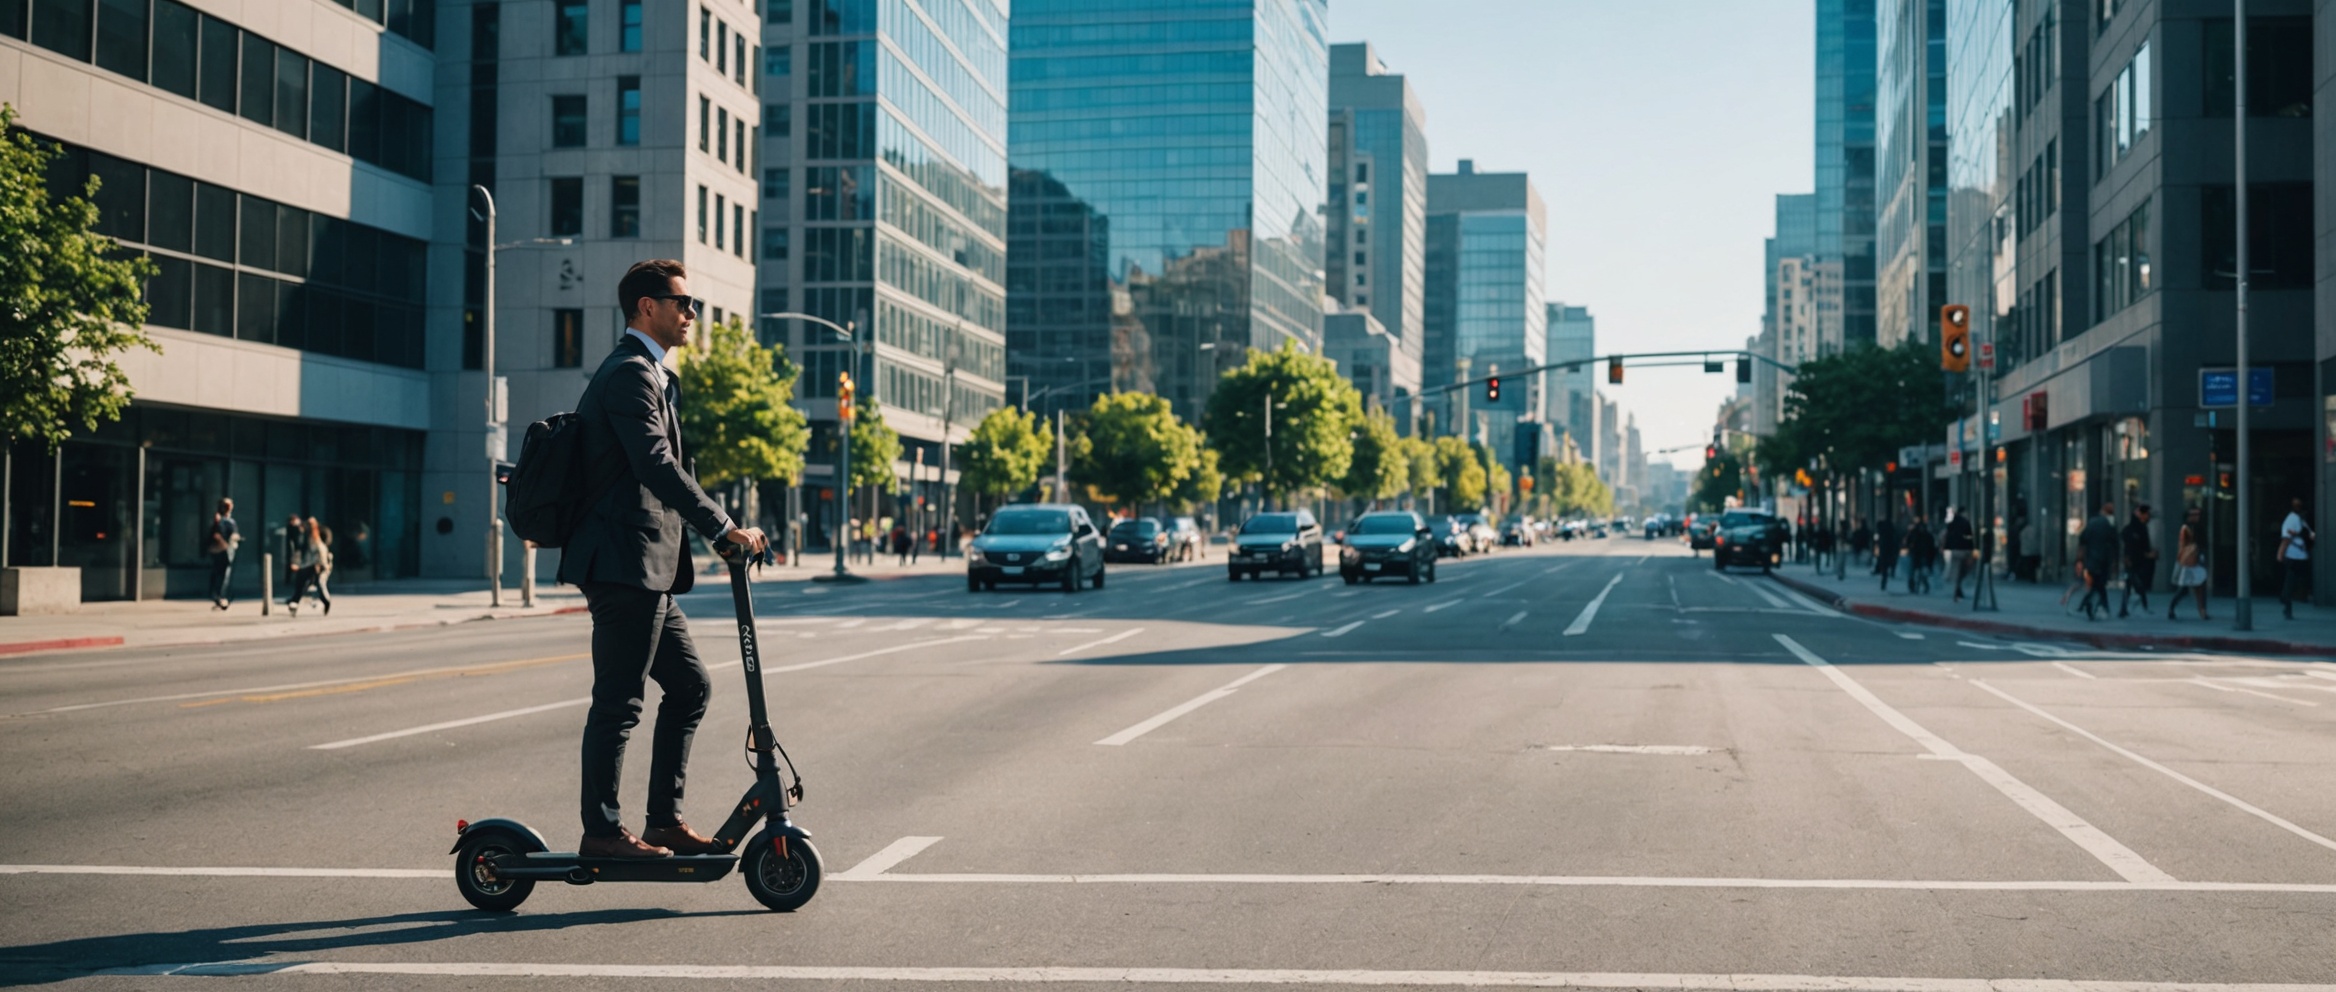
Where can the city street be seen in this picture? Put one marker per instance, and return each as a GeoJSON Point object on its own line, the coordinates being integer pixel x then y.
{"type": "Point", "coordinates": [1595, 764]}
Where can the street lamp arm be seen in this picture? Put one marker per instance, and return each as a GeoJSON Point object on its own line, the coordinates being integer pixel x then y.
{"type": "Point", "coordinates": [821, 321]}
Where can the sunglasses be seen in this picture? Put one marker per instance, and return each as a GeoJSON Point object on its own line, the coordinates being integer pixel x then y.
{"type": "Point", "coordinates": [694, 305]}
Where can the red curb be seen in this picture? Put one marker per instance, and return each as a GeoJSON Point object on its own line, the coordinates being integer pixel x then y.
{"type": "Point", "coordinates": [2206, 642]}
{"type": "Point", "coordinates": [60, 644]}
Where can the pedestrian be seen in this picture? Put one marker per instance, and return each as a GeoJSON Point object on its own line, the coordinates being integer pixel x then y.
{"type": "Point", "coordinates": [2098, 545]}
{"type": "Point", "coordinates": [2141, 561]}
{"type": "Point", "coordinates": [1886, 550]}
{"type": "Point", "coordinates": [220, 543]}
{"type": "Point", "coordinates": [2189, 563]}
{"type": "Point", "coordinates": [900, 541]}
{"type": "Point", "coordinates": [629, 559]}
{"type": "Point", "coordinates": [2295, 555]}
{"type": "Point", "coordinates": [294, 531]}
{"type": "Point", "coordinates": [1960, 546]}
{"type": "Point", "coordinates": [1861, 543]}
{"type": "Point", "coordinates": [308, 564]}
{"type": "Point", "coordinates": [1922, 549]}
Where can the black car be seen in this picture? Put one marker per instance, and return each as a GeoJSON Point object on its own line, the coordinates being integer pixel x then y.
{"type": "Point", "coordinates": [1748, 537]}
{"type": "Point", "coordinates": [1185, 541]}
{"type": "Point", "coordinates": [1451, 536]}
{"type": "Point", "coordinates": [1037, 543]}
{"type": "Point", "coordinates": [1388, 544]}
{"type": "Point", "coordinates": [1142, 539]}
{"type": "Point", "coordinates": [1289, 543]}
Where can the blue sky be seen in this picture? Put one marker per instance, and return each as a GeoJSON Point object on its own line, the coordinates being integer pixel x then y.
{"type": "Point", "coordinates": [1658, 132]}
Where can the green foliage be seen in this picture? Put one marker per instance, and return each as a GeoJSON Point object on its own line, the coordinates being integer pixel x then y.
{"type": "Point", "coordinates": [1381, 464]}
{"type": "Point", "coordinates": [1315, 411]}
{"type": "Point", "coordinates": [739, 417]}
{"type": "Point", "coordinates": [1572, 490]}
{"type": "Point", "coordinates": [1205, 485]}
{"type": "Point", "coordinates": [1718, 481]}
{"type": "Point", "coordinates": [1462, 473]}
{"type": "Point", "coordinates": [70, 301]}
{"type": "Point", "coordinates": [1004, 454]}
{"type": "Point", "coordinates": [1135, 450]}
{"type": "Point", "coordinates": [875, 446]}
{"type": "Point", "coordinates": [1424, 473]}
{"type": "Point", "coordinates": [1858, 408]}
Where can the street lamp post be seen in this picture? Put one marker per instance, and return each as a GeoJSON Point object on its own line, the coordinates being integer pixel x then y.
{"type": "Point", "coordinates": [497, 447]}
{"type": "Point", "coordinates": [843, 462]}
{"type": "Point", "coordinates": [2242, 612]}
{"type": "Point", "coordinates": [948, 419]}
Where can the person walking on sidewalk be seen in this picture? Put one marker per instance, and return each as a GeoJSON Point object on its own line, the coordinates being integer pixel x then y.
{"type": "Point", "coordinates": [901, 541]}
{"type": "Point", "coordinates": [2295, 556]}
{"type": "Point", "coordinates": [2097, 544]}
{"type": "Point", "coordinates": [1886, 550]}
{"type": "Point", "coordinates": [1959, 544]}
{"type": "Point", "coordinates": [308, 563]}
{"type": "Point", "coordinates": [1922, 553]}
{"type": "Point", "coordinates": [2189, 564]}
{"type": "Point", "coordinates": [220, 544]}
{"type": "Point", "coordinates": [1861, 543]}
{"type": "Point", "coordinates": [2141, 561]}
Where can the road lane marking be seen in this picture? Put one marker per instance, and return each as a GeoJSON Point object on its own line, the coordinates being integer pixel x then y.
{"type": "Point", "coordinates": [1762, 592]}
{"type": "Point", "coordinates": [1722, 576]}
{"type": "Point", "coordinates": [1384, 614]}
{"type": "Point", "coordinates": [2119, 858]}
{"type": "Point", "coordinates": [1513, 620]}
{"type": "Point", "coordinates": [1666, 749]}
{"type": "Point", "coordinates": [1113, 639]}
{"type": "Point", "coordinates": [1444, 606]}
{"type": "Point", "coordinates": [385, 681]}
{"type": "Point", "coordinates": [1912, 636]}
{"type": "Point", "coordinates": [1581, 624]}
{"type": "Point", "coordinates": [1813, 606]}
{"type": "Point", "coordinates": [2211, 684]}
{"type": "Point", "coordinates": [292, 686]}
{"type": "Point", "coordinates": [892, 855]}
{"type": "Point", "coordinates": [2073, 670]}
{"type": "Point", "coordinates": [2256, 811]}
{"type": "Point", "coordinates": [1341, 631]}
{"type": "Point", "coordinates": [1187, 706]}
{"type": "Point", "coordinates": [1274, 599]}
{"type": "Point", "coordinates": [1490, 593]}
{"type": "Point", "coordinates": [1127, 976]}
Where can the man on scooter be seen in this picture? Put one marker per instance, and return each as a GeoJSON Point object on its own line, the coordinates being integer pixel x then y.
{"type": "Point", "coordinates": [630, 558]}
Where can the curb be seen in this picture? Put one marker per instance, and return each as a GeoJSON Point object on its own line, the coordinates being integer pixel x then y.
{"type": "Point", "coordinates": [60, 644]}
{"type": "Point", "coordinates": [80, 643]}
{"type": "Point", "coordinates": [2210, 642]}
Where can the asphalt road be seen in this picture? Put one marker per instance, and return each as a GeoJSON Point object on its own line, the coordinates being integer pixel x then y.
{"type": "Point", "coordinates": [1597, 765]}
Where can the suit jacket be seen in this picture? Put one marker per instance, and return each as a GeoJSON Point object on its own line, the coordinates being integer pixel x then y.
{"type": "Point", "coordinates": [2098, 544]}
{"type": "Point", "coordinates": [640, 496]}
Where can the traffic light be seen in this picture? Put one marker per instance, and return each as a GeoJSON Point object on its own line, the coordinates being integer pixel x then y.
{"type": "Point", "coordinates": [1743, 370]}
{"type": "Point", "coordinates": [1492, 389]}
{"type": "Point", "coordinates": [843, 397]}
{"type": "Point", "coordinates": [1711, 452]}
{"type": "Point", "coordinates": [1955, 338]}
{"type": "Point", "coordinates": [1614, 371]}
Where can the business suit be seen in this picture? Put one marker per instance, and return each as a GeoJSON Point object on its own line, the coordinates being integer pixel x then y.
{"type": "Point", "coordinates": [629, 556]}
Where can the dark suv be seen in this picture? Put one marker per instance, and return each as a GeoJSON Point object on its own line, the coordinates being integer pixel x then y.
{"type": "Point", "coordinates": [1141, 539]}
{"type": "Point", "coordinates": [1388, 544]}
{"type": "Point", "coordinates": [1748, 537]}
{"type": "Point", "coordinates": [1037, 543]}
{"type": "Point", "coordinates": [1289, 543]}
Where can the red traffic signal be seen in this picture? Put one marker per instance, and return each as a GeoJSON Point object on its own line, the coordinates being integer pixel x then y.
{"type": "Point", "coordinates": [1711, 452]}
{"type": "Point", "coordinates": [1492, 389]}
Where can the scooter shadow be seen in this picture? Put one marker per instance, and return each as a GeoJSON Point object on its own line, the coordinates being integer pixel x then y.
{"type": "Point", "coordinates": [65, 960]}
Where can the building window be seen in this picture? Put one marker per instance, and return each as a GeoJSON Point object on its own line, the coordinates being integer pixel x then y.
{"type": "Point", "coordinates": [738, 229]}
{"type": "Point", "coordinates": [567, 339]}
{"type": "Point", "coordinates": [738, 127]}
{"type": "Point", "coordinates": [701, 215]}
{"type": "Point", "coordinates": [62, 26]}
{"type": "Point", "coordinates": [628, 110]}
{"type": "Point", "coordinates": [774, 244]}
{"type": "Point", "coordinates": [567, 214]}
{"type": "Point", "coordinates": [722, 133]}
{"type": "Point", "coordinates": [721, 207]}
{"type": "Point", "coordinates": [121, 36]}
{"type": "Point", "coordinates": [757, 57]}
{"type": "Point", "coordinates": [2122, 113]}
{"type": "Point", "coordinates": [2121, 265]}
{"type": "Point", "coordinates": [291, 93]}
{"type": "Point", "coordinates": [738, 59]}
{"type": "Point", "coordinates": [774, 184]}
{"type": "Point", "coordinates": [624, 207]}
{"type": "Point", "coordinates": [2279, 67]}
{"type": "Point", "coordinates": [705, 123]}
{"type": "Point", "coordinates": [328, 116]}
{"type": "Point", "coordinates": [259, 80]}
{"type": "Point", "coordinates": [705, 34]}
{"type": "Point", "coordinates": [779, 62]}
{"type": "Point", "coordinates": [780, 120]}
{"type": "Point", "coordinates": [571, 32]}
{"type": "Point", "coordinates": [722, 47]}
{"type": "Point", "coordinates": [215, 73]}
{"type": "Point", "coordinates": [628, 31]}
{"type": "Point", "coordinates": [177, 39]}
{"type": "Point", "coordinates": [568, 121]}
{"type": "Point", "coordinates": [2279, 234]}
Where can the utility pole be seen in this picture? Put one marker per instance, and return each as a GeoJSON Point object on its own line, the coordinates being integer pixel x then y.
{"type": "Point", "coordinates": [495, 448]}
{"type": "Point", "coordinates": [1061, 468]}
{"type": "Point", "coordinates": [948, 415]}
{"type": "Point", "coordinates": [1268, 487]}
{"type": "Point", "coordinates": [2243, 613]}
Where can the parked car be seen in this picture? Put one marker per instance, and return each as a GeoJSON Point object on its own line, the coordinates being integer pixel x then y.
{"type": "Point", "coordinates": [1289, 543]}
{"type": "Point", "coordinates": [1481, 536]}
{"type": "Point", "coordinates": [1450, 535]}
{"type": "Point", "coordinates": [1379, 544]}
{"type": "Point", "coordinates": [1037, 543]}
{"type": "Point", "coordinates": [1185, 541]}
{"type": "Point", "coordinates": [1748, 537]}
{"type": "Point", "coordinates": [1141, 539]}
{"type": "Point", "coordinates": [1701, 534]}
{"type": "Point", "coordinates": [1518, 532]}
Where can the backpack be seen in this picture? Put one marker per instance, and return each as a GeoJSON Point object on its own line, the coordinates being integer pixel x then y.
{"type": "Point", "coordinates": [543, 497]}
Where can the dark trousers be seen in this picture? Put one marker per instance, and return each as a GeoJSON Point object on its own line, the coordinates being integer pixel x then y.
{"type": "Point", "coordinates": [2139, 578]}
{"type": "Point", "coordinates": [638, 635]}
{"type": "Point", "coordinates": [2097, 576]}
{"type": "Point", "coordinates": [2293, 575]}
{"type": "Point", "coordinates": [222, 564]}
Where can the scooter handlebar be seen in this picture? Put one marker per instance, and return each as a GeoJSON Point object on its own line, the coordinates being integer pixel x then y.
{"type": "Point", "coordinates": [740, 555]}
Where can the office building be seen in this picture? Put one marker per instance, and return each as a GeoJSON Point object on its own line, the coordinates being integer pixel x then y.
{"type": "Point", "coordinates": [1910, 148]}
{"type": "Point", "coordinates": [883, 196]}
{"type": "Point", "coordinates": [1484, 299]}
{"type": "Point", "coordinates": [1845, 167]}
{"type": "Point", "coordinates": [1572, 396]}
{"type": "Point", "coordinates": [1376, 251]}
{"type": "Point", "coordinates": [1368, 356]}
{"type": "Point", "coordinates": [1167, 183]}
{"type": "Point", "coordinates": [1786, 292]}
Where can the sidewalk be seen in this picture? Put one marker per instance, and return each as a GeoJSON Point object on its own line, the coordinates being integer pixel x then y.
{"type": "Point", "coordinates": [2034, 610]}
{"type": "Point", "coordinates": [375, 606]}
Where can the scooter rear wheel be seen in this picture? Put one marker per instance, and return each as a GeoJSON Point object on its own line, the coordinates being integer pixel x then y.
{"type": "Point", "coordinates": [782, 883]}
{"type": "Point", "coordinates": [477, 880]}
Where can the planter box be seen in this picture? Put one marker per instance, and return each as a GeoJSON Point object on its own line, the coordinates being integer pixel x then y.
{"type": "Point", "coordinates": [31, 591]}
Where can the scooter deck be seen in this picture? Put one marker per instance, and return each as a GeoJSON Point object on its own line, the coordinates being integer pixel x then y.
{"type": "Point", "coordinates": [566, 866]}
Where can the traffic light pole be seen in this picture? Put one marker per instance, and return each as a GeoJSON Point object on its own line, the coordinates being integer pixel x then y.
{"type": "Point", "coordinates": [1573, 364]}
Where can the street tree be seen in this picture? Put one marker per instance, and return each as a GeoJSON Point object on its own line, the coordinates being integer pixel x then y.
{"type": "Point", "coordinates": [1204, 486]}
{"type": "Point", "coordinates": [1136, 451]}
{"type": "Point", "coordinates": [875, 446]}
{"type": "Point", "coordinates": [740, 419]}
{"type": "Point", "coordinates": [1462, 474]}
{"type": "Point", "coordinates": [1004, 454]}
{"type": "Point", "coordinates": [1380, 465]}
{"type": "Point", "coordinates": [1314, 409]}
{"type": "Point", "coordinates": [70, 302]}
{"type": "Point", "coordinates": [1424, 474]}
{"type": "Point", "coordinates": [1858, 408]}
{"type": "Point", "coordinates": [1719, 481]}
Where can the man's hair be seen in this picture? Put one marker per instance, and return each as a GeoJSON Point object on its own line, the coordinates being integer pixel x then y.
{"type": "Point", "coordinates": [646, 279]}
{"type": "Point", "coordinates": [226, 504]}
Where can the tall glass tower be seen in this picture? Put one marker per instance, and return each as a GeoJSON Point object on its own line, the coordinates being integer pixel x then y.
{"type": "Point", "coordinates": [1845, 169]}
{"type": "Point", "coordinates": [1377, 254]}
{"type": "Point", "coordinates": [1484, 309]}
{"type": "Point", "coordinates": [1168, 175]}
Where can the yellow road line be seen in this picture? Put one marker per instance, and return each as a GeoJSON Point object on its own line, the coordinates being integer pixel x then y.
{"type": "Point", "coordinates": [496, 668]}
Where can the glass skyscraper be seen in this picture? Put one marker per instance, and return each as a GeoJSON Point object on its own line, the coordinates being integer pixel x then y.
{"type": "Point", "coordinates": [1573, 396]}
{"type": "Point", "coordinates": [1845, 167]}
{"type": "Point", "coordinates": [1910, 138]}
{"type": "Point", "coordinates": [1168, 175]}
{"type": "Point", "coordinates": [1484, 301]}
{"type": "Point", "coordinates": [1377, 224]}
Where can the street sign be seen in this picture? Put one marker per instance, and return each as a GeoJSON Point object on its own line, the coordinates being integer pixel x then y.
{"type": "Point", "coordinates": [1955, 459]}
{"type": "Point", "coordinates": [2220, 387]}
{"type": "Point", "coordinates": [1987, 355]}
{"type": "Point", "coordinates": [498, 447]}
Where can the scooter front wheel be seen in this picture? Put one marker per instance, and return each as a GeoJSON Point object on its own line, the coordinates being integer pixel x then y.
{"type": "Point", "coordinates": [782, 882]}
{"type": "Point", "coordinates": [474, 874]}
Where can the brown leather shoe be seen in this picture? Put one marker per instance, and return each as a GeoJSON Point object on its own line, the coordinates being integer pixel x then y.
{"type": "Point", "coordinates": [623, 845]}
{"type": "Point", "coordinates": [680, 838]}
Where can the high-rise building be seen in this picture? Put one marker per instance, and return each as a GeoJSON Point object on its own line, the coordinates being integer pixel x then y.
{"type": "Point", "coordinates": [1376, 253]}
{"type": "Point", "coordinates": [883, 193]}
{"type": "Point", "coordinates": [1484, 298]}
{"type": "Point", "coordinates": [1168, 176]}
{"type": "Point", "coordinates": [1910, 149]}
{"type": "Point", "coordinates": [1787, 322]}
{"type": "Point", "coordinates": [1610, 445]}
{"type": "Point", "coordinates": [1372, 359]}
{"type": "Point", "coordinates": [1845, 166]}
{"type": "Point", "coordinates": [1572, 395]}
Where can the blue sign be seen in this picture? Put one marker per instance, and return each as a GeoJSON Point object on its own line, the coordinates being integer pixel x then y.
{"type": "Point", "coordinates": [2220, 387]}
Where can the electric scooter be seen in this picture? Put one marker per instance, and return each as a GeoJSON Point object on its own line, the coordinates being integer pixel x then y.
{"type": "Point", "coordinates": [497, 862]}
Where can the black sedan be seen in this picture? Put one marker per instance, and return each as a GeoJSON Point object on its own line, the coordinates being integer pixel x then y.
{"type": "Point", "coordinates": [1285, 543]}
{"type": "Point", "coordinates": [1748, 537]}
{"type": "Point", "coordinates": [1450, 536]}
{"type": "Point", "coordinates": [1142, 539]}
{"type": "Point", "coordinates": [1381, 544]}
